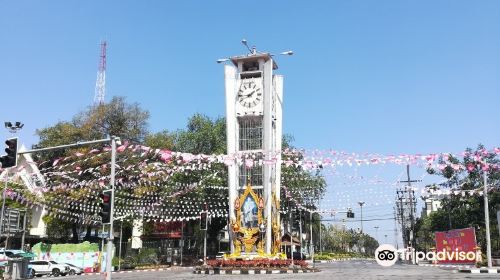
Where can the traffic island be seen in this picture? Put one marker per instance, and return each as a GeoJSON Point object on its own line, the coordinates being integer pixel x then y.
{"type": "Point", "coordinates": [240, 271]}
{"type": "Point", "coordinates": [260, 266]}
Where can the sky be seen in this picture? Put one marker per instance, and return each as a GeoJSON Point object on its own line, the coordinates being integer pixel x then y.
{"type": "Point", "coordinates": [386, 77]}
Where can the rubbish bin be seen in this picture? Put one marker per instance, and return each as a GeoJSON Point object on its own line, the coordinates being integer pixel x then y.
{"type": "Point", "coordinates": [17, 269]}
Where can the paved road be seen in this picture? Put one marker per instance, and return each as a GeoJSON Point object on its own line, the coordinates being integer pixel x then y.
{"type": "Point", "coordinates": [340, 270]}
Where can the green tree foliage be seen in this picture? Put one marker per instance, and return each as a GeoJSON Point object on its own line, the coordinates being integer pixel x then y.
{"type": "Point", "coordinates": [336, 239]}
{"type": "Point", "coordinates": [117, 118]}
{"type": "Point", "coordinates": [459, 211]}
{"type": "Point", "coordinates": [58, 231]}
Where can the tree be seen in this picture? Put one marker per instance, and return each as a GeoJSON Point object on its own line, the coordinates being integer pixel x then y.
{"type": "Point", "coordinates": [459, 211]}
{"type": "Point", "coordinates": [117, 118]}
{"type": "Point", "coordinates": [340, 240]}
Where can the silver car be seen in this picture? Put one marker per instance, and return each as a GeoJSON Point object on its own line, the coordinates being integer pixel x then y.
{"type": "Point", "coordinates": [73, 269]}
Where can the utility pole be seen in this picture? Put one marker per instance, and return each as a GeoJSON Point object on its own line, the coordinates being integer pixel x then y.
{"type": "Point", "coordinates": [409, 196]}
{"type": "Point", "coordinates": [396, 229]}
{"type": "Point", "coordinates": [487, 219]}
{"type": "Point", "coordinates": [361, 203]}
{"type": "Point", "coordinates": [402, 212]}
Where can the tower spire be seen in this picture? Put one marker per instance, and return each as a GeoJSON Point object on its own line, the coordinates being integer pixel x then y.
{"type": "Point", "coordinates": [100, 84]}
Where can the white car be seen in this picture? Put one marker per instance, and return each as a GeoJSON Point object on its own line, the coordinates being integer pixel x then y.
{"type": "Point", "coordinates": [39, 268]}
{"type": "Point", "coordinates": [6, 255]}
{"type": "Point", "coordinates": [73, 269]}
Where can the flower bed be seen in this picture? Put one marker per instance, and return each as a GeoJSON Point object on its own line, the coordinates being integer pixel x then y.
{"type": "Point", "coordinates": [257, 263]}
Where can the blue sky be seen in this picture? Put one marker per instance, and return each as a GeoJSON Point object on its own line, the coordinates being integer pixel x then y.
{"type": "Point", "coordinates": [367, 76]}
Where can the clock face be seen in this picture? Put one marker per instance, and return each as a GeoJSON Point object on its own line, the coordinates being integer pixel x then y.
{"type": "Point", "coordinates": [250, 94]}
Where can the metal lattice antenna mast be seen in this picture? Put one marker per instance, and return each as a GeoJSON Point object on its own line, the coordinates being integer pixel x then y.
{"type": "Point", "coordinates": [100, 83]}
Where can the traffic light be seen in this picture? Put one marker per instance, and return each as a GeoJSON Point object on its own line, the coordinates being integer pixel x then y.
{"type": "Point", "coordinates": [105, 207]}
{"type": "Point", "coordinates": [10, 159]}
{"type": "Point", "coordinates": [350, 214]}
{"type": "Point", "coordinates": [203, 221]}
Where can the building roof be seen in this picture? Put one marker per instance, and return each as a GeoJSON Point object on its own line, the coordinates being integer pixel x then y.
{"type": "Point", "coordinates": [253, 57]}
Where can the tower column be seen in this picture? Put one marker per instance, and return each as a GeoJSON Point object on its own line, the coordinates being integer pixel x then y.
{"type": "Point", "coordinates": [231, 132]}
{"type": "Point", "coordinates": [268, 150]}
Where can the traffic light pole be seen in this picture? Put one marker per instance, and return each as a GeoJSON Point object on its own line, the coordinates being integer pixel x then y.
{"type": "Point", "coordinates": [112, 182]}
{"type": "Point", "coordinates": [3, 210]}
{"type": "Point", "coordinates": [77, 144]}
{"type": "Point", "coordinates": [109, 250]}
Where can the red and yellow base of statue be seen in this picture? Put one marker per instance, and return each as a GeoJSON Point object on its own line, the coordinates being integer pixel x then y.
{"type": "Point", "coordinates": [252, 239]}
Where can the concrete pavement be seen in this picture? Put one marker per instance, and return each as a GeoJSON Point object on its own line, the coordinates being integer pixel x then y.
{"type": "Point", "coordinates": [360, 269]}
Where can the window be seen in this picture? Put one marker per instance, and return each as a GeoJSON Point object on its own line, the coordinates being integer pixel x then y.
{"type": "Point", "coordinates": [250, 133]}
{"type": "Point", "coordinates": [254, 172]}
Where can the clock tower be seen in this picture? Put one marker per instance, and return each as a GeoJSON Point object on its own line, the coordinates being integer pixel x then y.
{"type": "Point", "coordinates": [254, 98]}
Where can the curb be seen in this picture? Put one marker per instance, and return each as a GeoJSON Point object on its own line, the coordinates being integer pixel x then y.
{"type": "Point", "coordinates": [338, 260]}
{"type": "Point", "coordinates": [446, 265]}
{"type": "Point", "coordinates": [137, 270]}
{"type": "Point", "coordinates": [480, 270]}
{"type": "Point", "coordinates": [253, 271]}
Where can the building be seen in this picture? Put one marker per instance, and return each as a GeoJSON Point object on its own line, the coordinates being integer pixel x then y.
{"type": "Point", "coordinates": [254, 98]}
{"type": "Point", "coordinates": [29, 175]}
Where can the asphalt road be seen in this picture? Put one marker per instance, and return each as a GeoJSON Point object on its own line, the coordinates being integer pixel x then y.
{"type": "Point", "coordinates": [329, 271]}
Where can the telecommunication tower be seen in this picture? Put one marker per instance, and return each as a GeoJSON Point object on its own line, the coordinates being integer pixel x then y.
{"type": "Point", "coordinates": [100, 84]}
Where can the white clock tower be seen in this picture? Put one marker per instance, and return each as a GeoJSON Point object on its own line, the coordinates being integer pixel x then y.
{"type": "Point", "coordinates": [254, 100]}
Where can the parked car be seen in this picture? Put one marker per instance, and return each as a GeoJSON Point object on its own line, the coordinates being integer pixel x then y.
{"type": "Point", "coordinates": [39, 268]}
{"type": "Point", "coordinates": [5, 255]}
{"type": "Point", "coordinates": [73, 269]}
{"type": "Point", "coordinates": [220, 255]}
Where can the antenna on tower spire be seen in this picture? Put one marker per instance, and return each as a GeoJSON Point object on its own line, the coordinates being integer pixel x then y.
{"type": "Point", "coordinates": [100, 84]}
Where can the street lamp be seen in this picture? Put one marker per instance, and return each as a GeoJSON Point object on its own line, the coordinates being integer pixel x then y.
{"type": "Point", "coordinates": [13, 128]}
{"type": "Point", "coordinates": [361, 203]}
{"type": "Point", "coordinates": [287, 53]}
{"type": "Point", "coordinates": [252, 51]}
{"type": "Point", "coordinates": [376, 232]}
{"type": "Point", "coordinates": [221, 60]}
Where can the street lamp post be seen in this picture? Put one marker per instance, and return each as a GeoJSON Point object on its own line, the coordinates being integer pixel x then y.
{"type": "Point", "coordinates": [376, 232]}
{"type": "Point", "coordinates": [311, 237]}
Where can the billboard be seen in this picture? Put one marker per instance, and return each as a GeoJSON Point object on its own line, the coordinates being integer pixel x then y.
{"type": "Point", "coordinates": [454, 242]}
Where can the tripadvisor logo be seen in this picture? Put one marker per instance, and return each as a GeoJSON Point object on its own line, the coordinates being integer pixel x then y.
{"type": "Point", "coordinates": [387, 255]}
